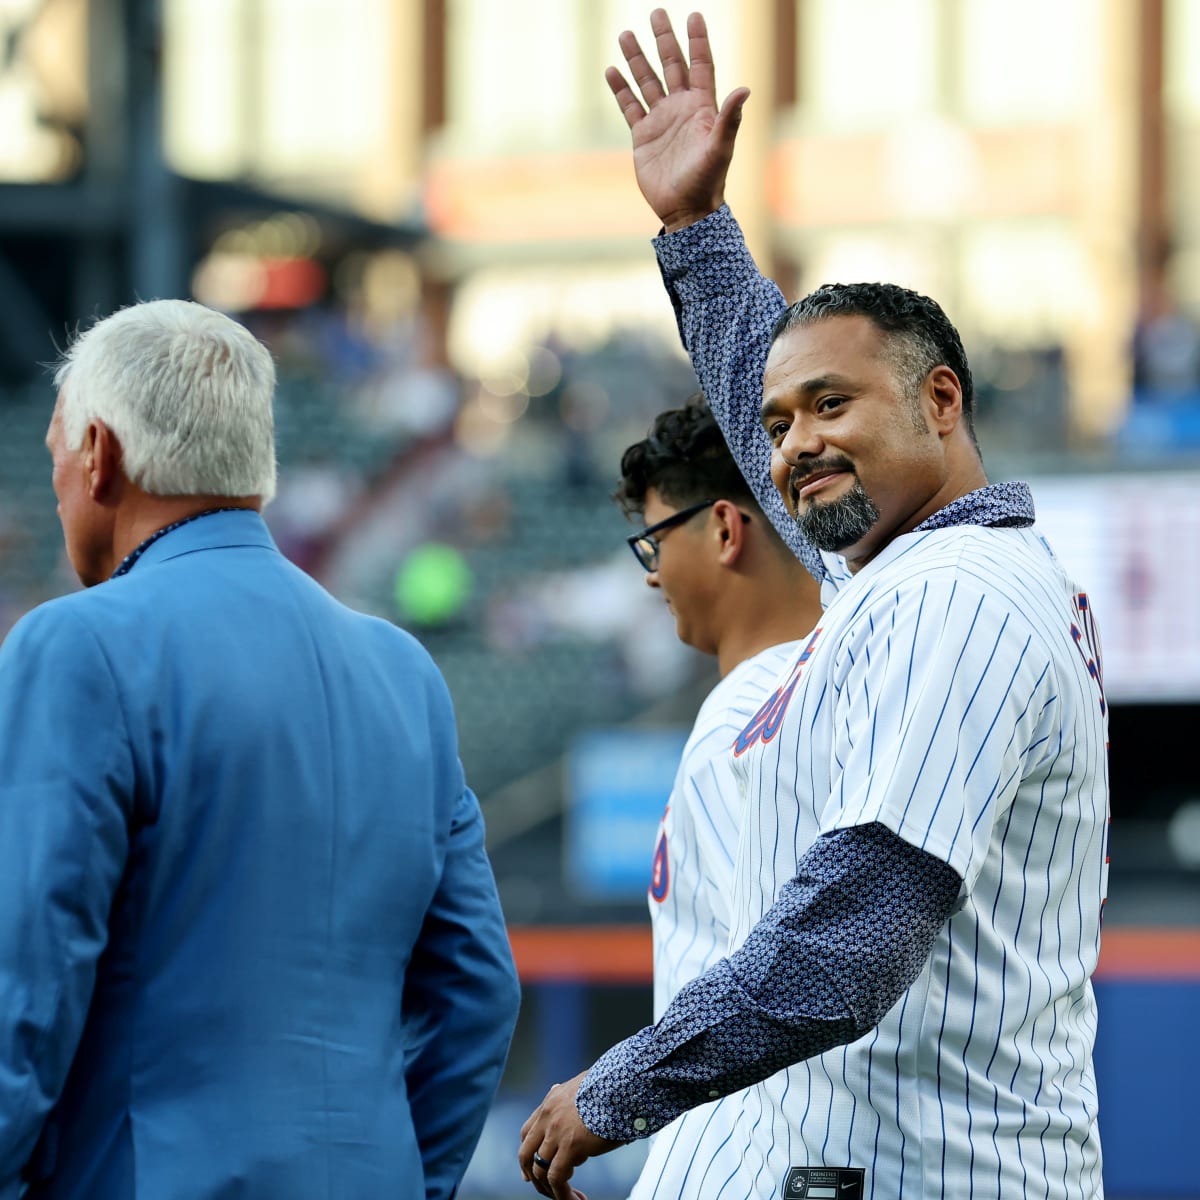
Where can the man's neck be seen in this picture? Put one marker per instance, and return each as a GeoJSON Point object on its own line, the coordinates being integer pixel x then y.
{"type": "Point", "coordinates": [968, 478]}
{"type": "Point", "coordinates": [148, 514]}
{"type": "Point", "coordinates": [790, 617]}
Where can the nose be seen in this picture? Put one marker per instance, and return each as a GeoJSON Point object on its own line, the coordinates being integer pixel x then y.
{"type": "Point", "coordinates": [801, 441]}
{"type": "Point", "coordinates": [652, 579]}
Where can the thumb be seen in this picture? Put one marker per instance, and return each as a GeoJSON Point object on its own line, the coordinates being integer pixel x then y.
{"type": "Point", "coordinates": [730, 117]}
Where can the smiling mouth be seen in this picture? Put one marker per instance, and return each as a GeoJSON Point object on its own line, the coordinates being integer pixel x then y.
{"type": "Point", "coordinates": [812, 484]}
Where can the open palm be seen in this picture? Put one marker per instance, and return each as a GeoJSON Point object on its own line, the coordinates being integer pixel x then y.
{"type": "Point", "coordinates": [682, 143]}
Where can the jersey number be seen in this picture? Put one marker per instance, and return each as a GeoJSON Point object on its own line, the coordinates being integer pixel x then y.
{"type": "Point", "coordinates": [1087, 642]}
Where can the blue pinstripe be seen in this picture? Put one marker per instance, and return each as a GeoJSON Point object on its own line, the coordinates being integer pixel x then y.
{"type": "Point", "coordinates": [941, 1036]}
{"type": "Point", "coordinates": [899, 1122]}
{"type": "Point", "coordinates": [871, 1103]}
{"type": "Point", "coordinates": [967, 1076]}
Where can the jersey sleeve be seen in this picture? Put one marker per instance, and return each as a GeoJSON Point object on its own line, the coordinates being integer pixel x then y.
{"type": "Point", "coordinates": [726, 310]}
{"type": "Point", "coordinates": [66, 800]}
{"type": "Point", "coordinates": [942, 694]}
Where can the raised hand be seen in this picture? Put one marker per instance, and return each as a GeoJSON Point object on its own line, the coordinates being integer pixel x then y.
{"type": "Point", "coordinates": [682, 144]}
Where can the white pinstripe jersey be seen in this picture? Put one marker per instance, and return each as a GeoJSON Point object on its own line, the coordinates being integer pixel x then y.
{"type": "Point", "coordinates": [954, 693]}
{"type": "Point", "coordinates": [691, 890]}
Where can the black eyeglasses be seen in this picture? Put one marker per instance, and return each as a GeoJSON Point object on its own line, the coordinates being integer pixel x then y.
{"type": "Point", "coordinates": [645, 545]}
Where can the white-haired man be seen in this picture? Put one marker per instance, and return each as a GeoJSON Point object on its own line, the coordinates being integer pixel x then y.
{"type": "Point", "coordinates": [249, 938]}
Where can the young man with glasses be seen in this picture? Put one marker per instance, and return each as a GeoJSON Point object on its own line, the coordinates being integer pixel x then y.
{"type": "Point", "coordinates": [738, 593]}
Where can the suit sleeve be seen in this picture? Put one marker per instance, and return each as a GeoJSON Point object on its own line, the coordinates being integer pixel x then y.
{"type": "Point", "coordinates": [66, 794]}
{"type": "Point", "coordinates": [461, 996]}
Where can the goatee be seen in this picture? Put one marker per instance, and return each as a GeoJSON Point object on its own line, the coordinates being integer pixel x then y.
{"type": "Point", "coordinates": [836, 524]}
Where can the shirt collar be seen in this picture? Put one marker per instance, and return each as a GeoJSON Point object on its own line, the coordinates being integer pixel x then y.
{"type": "Point", "coordinates": [997, 506]}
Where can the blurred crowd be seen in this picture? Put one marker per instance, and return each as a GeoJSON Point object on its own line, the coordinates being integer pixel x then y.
{"type": "Point", "coordinates": [478, 513]}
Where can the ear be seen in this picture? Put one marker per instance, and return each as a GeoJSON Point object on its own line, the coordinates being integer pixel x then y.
{"type": "Point", "coordinates": [102, 460]}
{"type": "Point", "coordinates": [944, 394]}
{"type": "Point", "coordinates": [729, 527]}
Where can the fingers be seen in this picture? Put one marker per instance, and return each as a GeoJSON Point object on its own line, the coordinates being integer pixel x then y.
{"type": "Point", "coordinates": [531, 1142]}
{"type": "Point", "coordinates": [548, 1176]}
{"type": "Point", "coordinates": [677, 73]}
{"type": "Point", "coordinates": [639, 67]}
{"type": "Point", "coordinates": [536, 1174]}
{"type": "Point", "coordinates": [701, 73]}
{"type": "Point", "coordinates": [547, 1157]}
{"type": "Point", "coordinates": [675, 68]}
{"type": "Point", "coordinates": [630, 106]}
{"type": "Point", "coordinates": [557, 1177]}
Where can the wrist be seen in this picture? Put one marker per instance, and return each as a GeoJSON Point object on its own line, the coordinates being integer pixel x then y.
{"type": "Point", "coordinates": [673, 222]}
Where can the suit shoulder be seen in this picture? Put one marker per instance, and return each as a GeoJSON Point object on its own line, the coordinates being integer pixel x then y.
{"type": "Point", "coordinates": [75, 607]}
{"type": "Point", "coordinates": [389, 640]}
{"type": "Point", "coordinates": [65, 628]}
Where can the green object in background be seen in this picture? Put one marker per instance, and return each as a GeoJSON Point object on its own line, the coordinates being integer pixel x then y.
{"type": "Point", "coordinates": [433, 585]}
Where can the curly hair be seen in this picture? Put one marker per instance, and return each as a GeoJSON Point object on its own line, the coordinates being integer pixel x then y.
{"type": "Point", "coordinates": [919, 334]}
{"type": "Point", "coordinates": [684, 459]}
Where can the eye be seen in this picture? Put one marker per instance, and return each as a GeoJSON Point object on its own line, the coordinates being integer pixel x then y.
{"type": "Point", "coordinates": [830, 403]}
{"type": "Point", "coordinates": [776, 430]}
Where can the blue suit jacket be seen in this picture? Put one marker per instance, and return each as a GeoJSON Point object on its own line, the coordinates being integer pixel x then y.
{"type": "Point", "coordinates": [250, 944]}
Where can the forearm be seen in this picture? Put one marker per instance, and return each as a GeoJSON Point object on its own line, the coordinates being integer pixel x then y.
{"type": "Point", "coordinates": [726, 310]}
{"type": "Point", "coordinates": [838, 948]}
{"type": "Point", "coordinates": [460, 1007]}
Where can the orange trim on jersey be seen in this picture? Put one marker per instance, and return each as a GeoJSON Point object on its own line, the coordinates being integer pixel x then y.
{"type": "Point", "coordinates": [623, 954]}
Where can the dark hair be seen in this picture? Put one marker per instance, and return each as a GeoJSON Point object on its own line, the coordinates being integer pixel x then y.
{"type": "Point", "coordinates": [685, 459]}
{"type": "Point", "coordinates": [920, 335]}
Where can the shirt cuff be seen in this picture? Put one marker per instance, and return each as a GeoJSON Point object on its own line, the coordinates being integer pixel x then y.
{"type": "Point", "coordinates": [697, 261]}
{"type": "Point", "coordinates": [621, 1097]}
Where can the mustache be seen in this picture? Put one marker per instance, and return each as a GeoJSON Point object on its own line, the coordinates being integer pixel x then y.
{"type": "Point", "coordinates": [803, 472]}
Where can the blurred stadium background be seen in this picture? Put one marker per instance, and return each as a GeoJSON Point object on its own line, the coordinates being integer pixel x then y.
{"type": "Point", "coordinates": [426, 208]}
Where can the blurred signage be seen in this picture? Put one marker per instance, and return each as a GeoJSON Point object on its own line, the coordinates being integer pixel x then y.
{"type": "Point", "coordinates": [1132, 542]}
{"type": "Point", "coordinates": [618, 782]}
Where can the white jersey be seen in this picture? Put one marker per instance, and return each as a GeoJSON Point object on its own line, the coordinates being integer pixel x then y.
{"type": "Point", "coordinates": [691, 893]}
{"type": "Point", "coordinates": [953, 692]}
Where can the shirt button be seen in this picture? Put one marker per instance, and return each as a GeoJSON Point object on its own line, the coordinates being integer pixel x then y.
{"type": "Point", "coordinates": [713, 1094]}
{"type": "Point", "coordinates": [640, 1123]}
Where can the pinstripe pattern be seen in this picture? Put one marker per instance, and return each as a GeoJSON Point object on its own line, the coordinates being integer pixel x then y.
{"type": "Point", "coordinates": [701, 828]}
{"type": "Point", "coordinates": [948, 700]}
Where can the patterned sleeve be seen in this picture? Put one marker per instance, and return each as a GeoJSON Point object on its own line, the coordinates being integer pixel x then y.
{"type": "Point", "coordinates": [726, 310]}
{"type": "Point", "coordinates": [838, 948]}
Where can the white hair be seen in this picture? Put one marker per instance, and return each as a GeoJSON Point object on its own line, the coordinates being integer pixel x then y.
{"type": "Point", "coordinates": [186, 390]}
